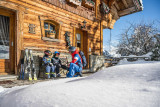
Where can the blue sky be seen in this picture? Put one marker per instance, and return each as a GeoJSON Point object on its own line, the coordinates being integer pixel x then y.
{"type": "Point", "coordinates": [151, 12]}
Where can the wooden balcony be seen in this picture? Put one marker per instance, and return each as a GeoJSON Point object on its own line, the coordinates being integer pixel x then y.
{"type": "Point", "coordinates": [75, 2]}
{"type": "Point", "coordinates": [89, 3]}
{"type": "Point", "coordinates": [79, 10]}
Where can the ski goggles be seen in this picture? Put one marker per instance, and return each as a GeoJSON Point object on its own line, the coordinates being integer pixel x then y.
{"type": "Point", "coordinates": [57, 53]}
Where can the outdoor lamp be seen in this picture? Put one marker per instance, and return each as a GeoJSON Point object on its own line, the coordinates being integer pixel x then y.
{"type": "Point", "coordinates": [84, 24]}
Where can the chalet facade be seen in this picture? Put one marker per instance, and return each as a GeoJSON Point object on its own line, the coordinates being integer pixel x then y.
{"type": "Point", "coordinates": [54, 25]}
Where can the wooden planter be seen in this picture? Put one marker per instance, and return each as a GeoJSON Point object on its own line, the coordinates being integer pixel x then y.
{"type": "Point", "coordinates": [75, 2]}
{"type": "Point", "coordinates": [52, 35]}
{"type": "Point", "coordinates": [89, 3]}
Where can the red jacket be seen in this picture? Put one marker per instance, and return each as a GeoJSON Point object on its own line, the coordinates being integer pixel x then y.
{"type": "Point", "coordinates": [76, 57]}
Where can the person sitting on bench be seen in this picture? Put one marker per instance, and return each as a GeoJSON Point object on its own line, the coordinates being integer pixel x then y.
{"type": "Point", "coordinates": [49, 68]}
{"type": "Point", "coordinates": [57, 63]}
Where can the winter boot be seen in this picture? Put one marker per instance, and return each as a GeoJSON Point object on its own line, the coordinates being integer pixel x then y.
{"type": "Point", "coordinates": [53, 75]}
{"type": "Point", "coordinates": [48, 75]}
{"type": "Point", "coordinates": [58, 75]}
{"type": "Point", "coordinates": [80, 74]}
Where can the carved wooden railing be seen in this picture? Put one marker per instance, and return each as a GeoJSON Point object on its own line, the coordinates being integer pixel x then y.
{"type": "Point", "coordinates": [79, 10]}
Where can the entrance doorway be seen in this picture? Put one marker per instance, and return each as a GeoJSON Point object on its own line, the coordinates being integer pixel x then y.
{"type": "Point", "coordinates": [81, 41]}
{"type": "Point", "coordinates": [7, 39]}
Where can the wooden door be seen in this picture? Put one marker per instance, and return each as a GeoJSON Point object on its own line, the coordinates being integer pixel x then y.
{"type": "Point", "coordinates": [81, 41]}
{"type": "Point", "coordinates": [6, 42]}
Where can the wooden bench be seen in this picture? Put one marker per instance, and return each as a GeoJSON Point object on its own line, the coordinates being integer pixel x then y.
{"type": "Point", "coordinates": [63, 72]}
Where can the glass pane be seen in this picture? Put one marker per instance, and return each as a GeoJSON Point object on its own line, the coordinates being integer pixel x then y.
{"type": "Point", "coordinates": [78, 37]}
{"type": "Point", "coordinates": [79, 45]}
{"type": "Point", "coordinates": [45, 25]}
{"type": "Point", "coordinates": [52, 27]}
{"type": "Point", "coordinates": [46, 33]}
{"type": "Point", "coordinates": [4, 37]}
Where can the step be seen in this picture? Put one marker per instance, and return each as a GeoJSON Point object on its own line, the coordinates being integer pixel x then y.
{"type": "Point", "coordinates": [8, 77]}
{"type": "Point", "coordinates": [85, 70]}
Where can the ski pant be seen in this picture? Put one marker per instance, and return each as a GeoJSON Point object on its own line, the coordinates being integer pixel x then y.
{"type": "Point", "coordinates": [50, 70]}
{"type": "Point", "coordinates": [62, 66]}
{"type": "Point", "coordinates": [57, 69]}
{"type": "Point", "coordinates": [74, 68]}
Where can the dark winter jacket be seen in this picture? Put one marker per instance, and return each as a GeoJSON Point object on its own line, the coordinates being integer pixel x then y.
{"type": "Point", "coordinates": [46, 60]}
{"type": "Point", "coordinates": [56, 61]}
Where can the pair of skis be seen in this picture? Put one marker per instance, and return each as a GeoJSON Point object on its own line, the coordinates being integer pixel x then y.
{"type": "Point", "coordinates": [27, 65]}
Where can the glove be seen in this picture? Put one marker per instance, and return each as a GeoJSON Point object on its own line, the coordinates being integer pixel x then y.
{"type": "Point", "coordinates": [65, 67]}
{"type": "Point", "coordinates": [59, 65]}
{"type": "Point", "coordinates": [50, 64]}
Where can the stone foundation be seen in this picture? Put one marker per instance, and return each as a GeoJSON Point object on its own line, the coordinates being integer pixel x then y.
{"type": "Point", "coordinates": [96, 62]}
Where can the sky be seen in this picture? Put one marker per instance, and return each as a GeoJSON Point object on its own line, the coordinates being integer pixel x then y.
{"type": "Point", "coordinates": [151, 12]}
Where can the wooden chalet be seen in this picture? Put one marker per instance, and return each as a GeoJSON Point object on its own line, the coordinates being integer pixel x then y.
{"type": "Point", "coordinates": [54, 25]}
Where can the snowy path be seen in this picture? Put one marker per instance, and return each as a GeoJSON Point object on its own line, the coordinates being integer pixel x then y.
{"type": "Point", "coordinates": [130, 85]}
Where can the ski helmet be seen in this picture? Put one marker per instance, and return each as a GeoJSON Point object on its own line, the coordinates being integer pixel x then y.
{"type": "Point", "coordinates": [56, 52]}
{"type": "Point", "coordinates": [72, 49]}
{"type": "Point", "coordinates": [48, 52]}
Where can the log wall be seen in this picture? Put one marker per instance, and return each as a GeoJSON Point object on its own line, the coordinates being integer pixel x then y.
{"type": "Point", "coordinates": [35, 12]}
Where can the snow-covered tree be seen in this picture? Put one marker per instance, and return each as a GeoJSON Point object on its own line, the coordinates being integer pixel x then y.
{"type": "Point", "coordinates": [156, 53]}
{"type": "Point", "coordinates": [138, 39]}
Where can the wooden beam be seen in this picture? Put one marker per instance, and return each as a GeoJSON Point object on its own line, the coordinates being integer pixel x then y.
{"type": "Point", "coordinates": [127, 11]}
{"type": "Point", "coordinates": [115, 12]}
{"type": "Point", "coordinates": [117, 6]}
{"type": "Point", "coordinates": [101, 38]}
{"type": "Point", "coordinates": [111, 2]}
{"type": "Point", "coordinates": [125, 3]}
{"type": "Point", "coordinates": [96, 7]}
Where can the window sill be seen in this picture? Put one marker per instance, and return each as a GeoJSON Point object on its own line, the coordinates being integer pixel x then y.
{"type": "Point", "coordinates": [50, 39]}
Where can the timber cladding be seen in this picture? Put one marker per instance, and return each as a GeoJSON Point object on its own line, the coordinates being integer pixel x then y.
{"type": "Point", "coordinates": [42, 24]}
{"type": "Point", "coordinates": [36, 12]}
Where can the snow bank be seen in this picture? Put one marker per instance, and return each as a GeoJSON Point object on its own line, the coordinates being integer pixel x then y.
{"type": "Point", "coordinates": [139, 61]}
{"type": "Point", "coordinates": [130, 85]}
{"type": "Point", "coordinates": [1, 89]}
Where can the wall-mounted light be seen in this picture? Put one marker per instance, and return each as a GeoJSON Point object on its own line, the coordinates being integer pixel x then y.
{"type": "Point", "coordinates": [84, 24]}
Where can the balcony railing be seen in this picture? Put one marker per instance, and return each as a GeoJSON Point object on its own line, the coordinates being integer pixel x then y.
{"type": "Point", "coordinates": [79, 10]}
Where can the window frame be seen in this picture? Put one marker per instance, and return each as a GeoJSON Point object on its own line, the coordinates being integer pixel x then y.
{"type": "Point", "coordinates": [57, 29]}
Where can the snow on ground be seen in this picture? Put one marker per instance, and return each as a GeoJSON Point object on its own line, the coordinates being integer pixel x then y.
{"type": "Point", "coordinates": [127, 85]}
{"type": "Point", "coordinates": [1, 89]}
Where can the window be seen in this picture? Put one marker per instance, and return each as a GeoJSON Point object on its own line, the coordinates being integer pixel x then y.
{"type": "Point", "coordinates": [78, 37]}
{"type": "Point", "coordinates": [50, 30]}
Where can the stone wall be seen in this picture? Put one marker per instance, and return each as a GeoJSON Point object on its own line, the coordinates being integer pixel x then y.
{"type": "Point", "coordinates": [96, 62]}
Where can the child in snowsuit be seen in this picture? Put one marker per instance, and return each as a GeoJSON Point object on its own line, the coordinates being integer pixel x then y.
{"type": "Point", "coordinates": [76, 66]}
{"type": "Point", "coordinates": [50, 69]}
{"type": "Point", "coordinates": [56, 62]}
